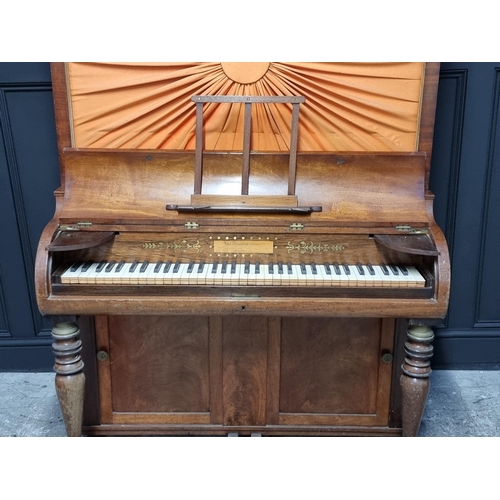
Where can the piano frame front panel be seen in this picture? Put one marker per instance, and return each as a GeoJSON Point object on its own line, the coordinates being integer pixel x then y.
{"type": "Point", "coordinates": [220, 374]}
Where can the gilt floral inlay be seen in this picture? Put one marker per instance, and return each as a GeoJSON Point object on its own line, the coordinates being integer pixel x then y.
{"type": "Point", "coordinates": [193, 246]}
{"type": "Point", "coordinates": [310, 247]}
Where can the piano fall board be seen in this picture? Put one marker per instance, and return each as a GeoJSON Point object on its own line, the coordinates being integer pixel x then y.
{"type": "Point", "coordinates": [243, 291]}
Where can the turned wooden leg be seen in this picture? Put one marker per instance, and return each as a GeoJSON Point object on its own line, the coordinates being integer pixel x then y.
{"type": "Point", "coordinates": [415, 378]}
{"type": "Point", "coordinates": [70, 380]}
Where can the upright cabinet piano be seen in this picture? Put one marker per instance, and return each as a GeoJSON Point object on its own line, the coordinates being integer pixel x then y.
{"type": "Point", "coordinates": [243, 248]}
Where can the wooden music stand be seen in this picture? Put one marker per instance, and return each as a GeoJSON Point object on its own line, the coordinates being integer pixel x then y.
{"type": "Point", "coordinates": [245, 203]}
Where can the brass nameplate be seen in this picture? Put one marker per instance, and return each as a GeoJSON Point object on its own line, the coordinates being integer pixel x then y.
{"type": "Point", "coordinates": [243, 246]}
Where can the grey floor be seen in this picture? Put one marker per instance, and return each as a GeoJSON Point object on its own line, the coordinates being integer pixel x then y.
{"type": "Point", "coordinates": [461, 403]}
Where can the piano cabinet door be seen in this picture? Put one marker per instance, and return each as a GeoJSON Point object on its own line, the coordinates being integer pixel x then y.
{"type": "Point", "coordinates": [154, 369]}
{"type": "Point", "coordinates": [332, 373]}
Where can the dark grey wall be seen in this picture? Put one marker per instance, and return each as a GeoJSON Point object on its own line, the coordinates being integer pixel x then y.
{"type": "Point", "coordinates": [28, 177]}
{"type": "Point", "coordinates": [465, 178]}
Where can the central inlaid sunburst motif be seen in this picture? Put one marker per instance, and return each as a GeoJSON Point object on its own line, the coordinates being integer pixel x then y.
{"type": "Point", "coordinates": [349, 106]}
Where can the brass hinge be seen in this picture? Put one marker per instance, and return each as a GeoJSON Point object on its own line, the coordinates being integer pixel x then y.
{"type": "Point", "coordinates": [296, 226]}
{"type": "Point", "coordinates": [191, 225]}
{"type": "Point", "coordinates": [75, 227]}
{"type": "Point", "coordinates": [408, 229]}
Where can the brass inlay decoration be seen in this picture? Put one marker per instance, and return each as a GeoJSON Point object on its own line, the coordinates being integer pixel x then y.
{"type": "Point", "coordinates": [310, 247]}
{"type": "Point", "coordinates": [176, 246]}
{"type": "Point", "coordinates": [243, 246]}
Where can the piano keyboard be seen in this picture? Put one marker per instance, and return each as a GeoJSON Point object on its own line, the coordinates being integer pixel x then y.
{"type": "Point", "coordinates": [246, 274]}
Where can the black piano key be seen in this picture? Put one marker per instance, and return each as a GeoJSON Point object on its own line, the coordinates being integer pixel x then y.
{"type": "Point", "coordinates": [313, 268]}
{"type": "Point", "coordinates": [201, 266]}
{"type": "Point", "coordinates": [280, 267]}
{"type": "Point", "coordinates": [158, 266]}
{"type": "Point", "coordinates": [214, 267]}
{"type": "Point", "coordinates": [403, 270]}
{"type": "Point", "coordinates": [75, 266]}
{"type": "Point", "coordinates": [257, 268]}
{"type": "Point", "coordinates": [190, 267]}
{"type": "Point", "coordinates": [110, 266]}
{"type": "Point", "coordinates": [327, 267]}
{"type": "Point", "coordinates": [336, 267]}
{"type": "Point", "coordinates": [360, 269]}
{"type": "Point", "coordinates": [119, 267]}
{"type": "Point", "coordinates": [133, 266]}
{"type": "Point", "coordinates": [100, 266]}
{"type": "Point", "coordinates": [168, 265]}
{"type": "Point", "coordinates": [86, 266]}
{"type": "Point", "coordinates": [177, 266]}
{"type": "Point", "coordinates": [384, 269]}
{"type": "Point", "coordinates": [394, 270]}
{"type": "Point", "coordinates": [271, 268]}
{"type": "Point", "coordinates": [289, 267]}
{"type": "Point", "coordinates": [303, 269]}
{"type": "Point", "coordinates": [370, 269]}
{"type": "Point", "coordinates": [247, 267]}
{"type": "Point", "coordinates": [224, 267]}
{"type": "Point", "coordinates": [233, 267]}
{"type": "Point", "coordinates": [144, 266]}
{"type": "Point", "coordinates": [346, 268]}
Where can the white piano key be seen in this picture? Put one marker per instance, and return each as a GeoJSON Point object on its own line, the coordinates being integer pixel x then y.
{"type": "Point", "coordinates": [88, 277]}
{"type": "Point", "coordinates": [168, 276]}
{"type": "Point", "coordinates": [259, 274]}
{"type": "Point", "coordinates": [220, 276]}
{"type": "Point", "coordinates": [301, 275]}
{"type": "Point", "coordinates": [276, 276]}
{"type": "Point", "coordinates": [105, 277]}
{"type": "Point", "coordinates": [180, 277]}
{"type": "Point", "coordinates": [285, 277]}
{"type": "Point", "coordinates": [156, 278]}
{"type": "Point", "coordinates": [355, 278]}
{"type": "Point", "coordinates": [117, 273]}
{"type": "Point", "coordinates": [388, 280]}
{"type": "Point", "coordinates": [145, 278]}
{"type": "Point", "coordinates": [242, 277]}
{"type": "Point", "coordinates": [216, 277]}
{"type": "Point", "coordinates": [378, 279]}
{"type": "Point", "coordinates": [234, 277]}
{"type": "Point", "coordinates": [398, 276]}
{"type": "Point", "coordinates": [419, 280]}
{"type": "Point", "coordinates": [251, 276]}
{"type": "Point", "coordinates": [327, 276]}
{"type": "Point", "coordinates": [266, 275]}
{"type": "Point", "coordinates": [227, 276]}
{"type": "Point", "coordinates": [324, 279]}
{"type": "Point", "coordinates": [293, 279]}
{"type": "Point", "coordinates": [133, 276]}
{"type": "Point", "coordinates": [370, 278]}
{"type": "Point", "coordinates": [189, 277]}
{"type": "Point", "coordinates": [99, 273]}
{"type": "Point", "coordinates": [210, 276]}
{"type": "Point", "coordinates": [313, 278]}
{"type": "Point", "coordinates": [70, 276]}
{"type": "Point", "coordinates": [201, 275]}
